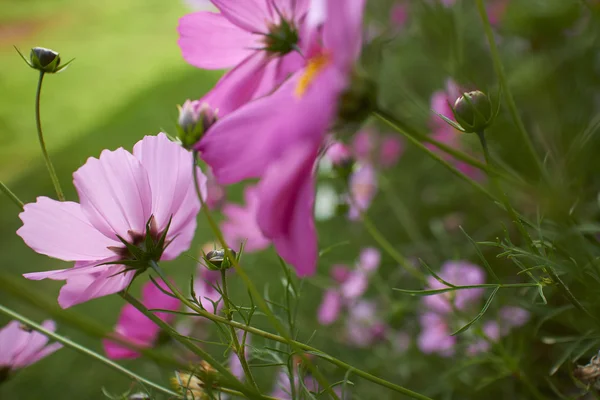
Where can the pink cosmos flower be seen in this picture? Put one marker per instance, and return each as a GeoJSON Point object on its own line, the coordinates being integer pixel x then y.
{"type": "Point", "coordinates": [338, 153]}
{"type": "Point", "coordinates": [241, 224]}
{"type": "Point", "coordinates": [364, 327]}
{"type": "Point", "coordinates": [21, 347]}
{"type": "Point", "coordinates": [444, 133]}
{"type": "Point", "coordinates": [371, 147]}
{"type": "Point", "coordinates": [136, 328]}
{"type": "Point", "coordinates": [260, 38]}
{"type": "Point", "coordinates": [306, 106]}
{"type": "Point", "coordinates": [435, 336]}
{"type": "Point", "coordinates": [363, 187]}
{"type": "Point", "coordinates": [121, 195]}
{"type": "Point", "coordinates": [459, 273]}
{"type": "Point", "coordinates": [350, 285]}
{"type": "Point", "coordinates": [215, 193]}
{"type": "Point", "coordinates": [205, 287]}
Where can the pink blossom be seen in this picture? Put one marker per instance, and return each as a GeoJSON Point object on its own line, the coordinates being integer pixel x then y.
{"type": "Point", "coordinates": [364, 327]}
{"type": "Point", "coordinates": [513, 317]}
{"type": "Point", "coordinates": [459, 273]}
{"type": "Point", "coordinates": [435, 336]}
{"type": "Point", "coordinates": [205, 286]}
{"type": "Point", "coordinates": [491, 330]}
{"type": "Point", "coordinates": [215, 193]}
{"type": "Point", "coordinates": [259, 38]}
{"type": "Point", "coordinates": [399, 14]}
{"type": "Point", "coordinates": [21, 347]}
{"type": "Point", "coordinates": [496, 10]}
{"type": "Point", "coordinates": [306, 106]}
{"type": "Point", "coordinates": [363, 187]}
{"type": "Point", "coordinates": [241, 225]}
{"type": "Point", "coordinates": [330, 307]}
{"type": "Point", "coordinates": [373, 148]}
{"type": "Point", "coordinates": [338, 153]}
{"type": "Point", "coordinates": [138, 329]}
{"type": "Point", "coordinates": [119, 193]}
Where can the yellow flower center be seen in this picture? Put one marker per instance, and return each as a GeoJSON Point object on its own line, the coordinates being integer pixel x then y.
{"type": "Point", "coordinates": [312, 70]}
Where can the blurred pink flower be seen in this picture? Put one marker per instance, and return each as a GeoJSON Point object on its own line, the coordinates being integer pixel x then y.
{"type": "Point", "coordinates": [435, 336]}
{"type": "Point", "coordinates": [363, 188]}
{"type": "Point", "coordinates": [259, 38]}
{"type": "Point", "coordinates": [241, 224]}
{"type": "Point", "coordinates": [363, 326]}
{"type": "Point", "coordinates": [338, 153]}
{"type": "Point", "coordinates": [370, 147]}
{"type": "Point", "coordinates": [459, 273]}
{"type": "Point", "coordinates": [330, 307]}
{"type": "Point", "coordinates": [399, 14]}
{"type": "Point", "coordinates": [496, 10]}
{"type": "Point", "coordinates": [21, 347]}
{"type": "Point", "coordinates": [204, 286]}
{"type": "Point", "coordinates": [235, 366]}
{"type": "Point", "coordinates": [215, 193]}
{"type": "Point", "coordinates": [513, 317]}
{"type": "Point", "coordinates": [136, 328]}
{"type": "Point", "coordinates": [491, 330]}
{"type": "Point", "coordinates": [119, 193]}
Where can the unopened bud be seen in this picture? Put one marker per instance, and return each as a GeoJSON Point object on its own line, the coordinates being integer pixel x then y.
{"type": "Point", "coordinates": [44, 60]}
{"type": "Point", "coordinates": [194, 120]}
{"type": "Point", "coordinates": [473, 111]}
{"type": "Point", "coordinates": [217, 260]}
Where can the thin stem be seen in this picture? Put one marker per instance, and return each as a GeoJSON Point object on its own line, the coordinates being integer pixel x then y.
{"type": "Point", "coordinates": [53, 176]}
{"type": "Point", "coordinates": [239, 349]}
{"type": "Point", "coordinates": [512, 107]}
{"type": "Point", "coordinates": [262, 304]}
{"type": "Point", "coordinates": [191, 346]}
{"type": "Point", "coordinates": [436, 157]}
{"type": "Point", "coordinates": [11, 195]}
{"type": "Point", "coordinates": [432, 292]}
{"type": "Point", "coordinates": [286, 340]}
{"type": "Point", "coordinates": [75, 346]}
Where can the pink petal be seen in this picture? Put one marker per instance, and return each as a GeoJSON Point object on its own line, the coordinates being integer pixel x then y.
{"type": "Point", "coordinates": [35, 343]}
{"type": "Point", "coordinates": [210, 41]}
{"type": "Point", "coordinates": [169, 169]}
{"type": "Point", "coordinates": [285, 214]}
{"type": "Point", "coordinates": [356, 285]}
{"type": "Point", "coordinates": [391, 149]}
{"type": "Point", "coordinates": [251, 15]}
{"type": "Point", "coordinates": [363, 188]}
{"type": "Point", "coordinates": [238, 86]}
{"type": "Point", "coordinates": [369, 259]}
{"type": "Point", "coordinates": [82, 288]}
{"type": "Point", "coordinates": [61, 230]}
{"type": "Point", "coordinates": [154, 298]}
{"type": "Point", "coordinates": [342, 30]}
{"type": "Point", "coordinates": [115, 193]}
{"type": "Point", "coordinates": [330, 307]}
{"type": "Point", "coordinates": [241, 224]}
{"type": "Point", "coordinates": [13, 340]}
{"type": "Point", "coordinates": [116, 351]}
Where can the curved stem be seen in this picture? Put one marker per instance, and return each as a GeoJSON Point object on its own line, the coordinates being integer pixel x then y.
{"type": "Point", "coordinates": [239, 349]}
{"type": "Point", "coordinates": [190, 345]}
{"type": "Point", "coordinates": [512, 107]}
{"type": "Point", "coordinates": [75, 346]}
{"type": "Point", "coordinates": [53, 176]}
{"type": "Point", "coordinates": [11, 195]}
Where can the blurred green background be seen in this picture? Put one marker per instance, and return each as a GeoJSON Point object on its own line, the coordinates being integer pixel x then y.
{"type": "Point", "coordinates": [127, 77]}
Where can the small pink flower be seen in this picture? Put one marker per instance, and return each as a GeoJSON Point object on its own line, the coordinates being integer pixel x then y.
{"type": "Point", "coordinates": [119, 193]}
{"type": "Point", "coordinates": [21, 347]}
{"type": "Point", "coordinates": [241, 225]}
{"type": "Point", "coordinates": [399, 14]}
{"type": "Point", "coordinates": [338, 153]}
{"type": "Point", "coordinates": [513, 317]}
{"type": "Point", "coordinates": [364, 327]}
{"type": "Point", "coordinates": [459, 273]}
{"type": "Point", "coordinates": [205, 286]}
{"type": "Point", "coordinates": [363, 187]}
{"type": "Point", "coordinates": [136, 328]}
{"type": "Point", "coordinates": [330, 307]}
{"type": "Point", "coordinates": [259, 38]}
{"type": "Point", "coordinates": [370, 147]}
{"type": "Point", "coordinates": [215, 193]}
{"type": "Point", "coordinates": [491, 330]}
{"type": "Point", "coordinates": [435, 336]}
{"type": "Point", "coordinates": [369, 259]}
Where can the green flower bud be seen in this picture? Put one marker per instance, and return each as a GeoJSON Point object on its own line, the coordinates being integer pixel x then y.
{"type": "Point", "coordinates": [473, 111]}
{"type": "Point", "coordinates": [194, 120]}
{"type": "Point", "coordinates": [217, 260]}
{"type": "Point", "coordinates": [44, 60]}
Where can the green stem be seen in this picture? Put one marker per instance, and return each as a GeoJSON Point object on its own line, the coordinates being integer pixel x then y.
{"type": "Point", "coordinates": [436, 157]}
{"type": "Point", "coordinates": [53, 176]}
{"type": "Point", "coordinates": [191, 346]}
{"type": "Point", "coordinates": [11, 195]}
{"type": "Point", "coordinates": [75, 346]}
{"type": "Point", "coordinates": [512, 107]}
{"type": "Point", "coordinates": [239, 349]}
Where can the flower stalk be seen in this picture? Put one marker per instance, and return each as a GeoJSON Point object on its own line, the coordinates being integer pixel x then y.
{"type": "Point", "coordinates": [13, 197]}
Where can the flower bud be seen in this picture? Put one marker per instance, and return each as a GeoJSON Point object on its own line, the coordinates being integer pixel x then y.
{"type": "Point", "coordinates": [194, 120]}
{"type": "Point", "coordinates": [44, 60]}
{"type": "Point", "coordinates": [217, 260]}
{"type": "Point", "coordinates": [473, 111]}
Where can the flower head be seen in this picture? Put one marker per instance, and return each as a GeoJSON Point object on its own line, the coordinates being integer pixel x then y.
{"type": "Point", "coordinates": [44, 60]}
{"type": "Point", "coordinates": [134, 208]}
{"type": "Point", "coordinates": [21, 347]}
{"type": "Point", "coordinates": [364, 326]}
{"type": "Point", "coordinates": [435, 336]}
{"type": "Point", "coordinates": [460, 273]}
{"type": "Point", "coordinates": [138, 329]}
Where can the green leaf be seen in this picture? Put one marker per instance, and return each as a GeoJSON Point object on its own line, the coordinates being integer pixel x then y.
{"type": "Point", "coordinates": [480, 254]}
{"type": "Point", "coordinates": [481, 313]}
